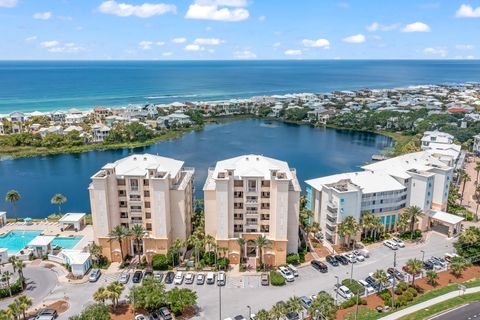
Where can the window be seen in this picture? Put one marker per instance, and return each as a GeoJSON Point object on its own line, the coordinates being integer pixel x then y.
{"type": "Point", "coordinates": [265, 228]}
{"type": "Point", "coordinates": [123, 215]}
{"type": "Point", "coordinates": [265, 217]}
{"type": "Point", "coordinates": [134, 184]}
{"type": "Point", "coordinates": [238, 228]}
{"type": "Point", "coordinates": [146, 182]}
{"type": "Point", "coordinates": [149, 227]}
{"type": "Point", "coordinates": [123, 204]}
{"type": "Point", "coordinates": [238, 216]}
{"type": "Point", "coordinates": [238, 183]}
{"type": "Point", "coordinates": [146, 193]}
{"type": "Point", "coordinates": [120, 182]}
{"type": "Point", "coordinates": [252, 185]}
{"type": "Point", "coordinates": [148, 215]}
{"type": "Point", "coordinates": [265, 183]}
{"type": "Point", "coordinates": [238, 205]}
{"type": "Point", "coordinates": [147, 204]}
{"type": "Point", "coordinates": [121, 193]}
{"type": "Point", "coordinates": [265, 205]}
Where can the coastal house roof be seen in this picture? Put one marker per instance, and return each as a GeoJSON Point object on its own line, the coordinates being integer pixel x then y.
{"type": "Point", "coordinates": [139, 164]}
{"type": "Point", "coordinates": [41, 241]}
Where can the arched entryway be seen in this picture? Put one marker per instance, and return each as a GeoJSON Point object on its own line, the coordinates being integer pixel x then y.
{"type": "Point", "coordinates": [251, 249]}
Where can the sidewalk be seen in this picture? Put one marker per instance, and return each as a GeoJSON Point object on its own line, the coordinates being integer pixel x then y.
{"type": "Point", "coordinates": [427, 304]}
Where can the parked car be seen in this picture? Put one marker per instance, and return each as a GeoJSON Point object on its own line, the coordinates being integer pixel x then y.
{"type": "Point", "coordinates": [165, 313]}
{"type": "Point", "coordinates": [428, 265]}
{"type": "Point", "coordinates": [210, 278]}
{"type": "Point", "coordinates": [358, 256]}
{"type": "Point", "coordinates": [140, 317]}
{"type": "Point", "coordinates": [124, 277]}
{"type": "Point", "coordinates": [450, 256]}
{"type": "Point", "coordinates": [320, 266]}
{"type": "Point", "coordinates": [332, 260]}
{"type": "Point", "coordinates": [287, 274]}
{"type": "Point", "coordinates": [147, 274]}
{"type": "Point", "coordinates": [350, 257]}
{"type": "Point", "coordinates": [178, 278]}
{"type": "Point", "coordinates": [398, 242]}
{"type": "Point", "coordinates": [341, 259]}
{"type": "Point", "coordinates": [221, 278]}
{"type": "Point", "coordinates": [293, 315]}
{"type": "Point", "coordinates": [373, 283]}
{"type": "Point", "coordinates": [306, 302]}
{"type": "Point", "coordinates": [345, 292]}
{"type": "Point", "coordinates": [153, 316]}
{"type": "Point", "coordinates": [364, 252]}
{"type": "Point", "coordinates": [390, 244]}
{"type": "Point", "coordinates": [368, 288]}
{"type": "Point", "coordinates": [396, 273]}
{"type": "Point", "coordinates": [440, 261]}
{"type": "Point", "coordinates": [137, 276]}
{"type": "Point", "coordinates": [293, 270]}
{"type": "Point", "coordinates": [200, 278]}
{"type": "Point", "coordinates": [158, 276]}
{"type": "Point", "coordinates": [265, 279]}
{"type": "Point", "coordinates": [94, 275]}
{"type": "Point", "coordinates": [189, 278]}
{"type": "Point", "coordinates": [47, 313]}
{"type": "Point", "coordinates": [169, 277]}
{"type": "Point", "coordinates": [239, 317]}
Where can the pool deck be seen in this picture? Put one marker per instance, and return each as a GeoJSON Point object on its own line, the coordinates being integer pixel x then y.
{"type": "Point", "coordinates": [53, 229]}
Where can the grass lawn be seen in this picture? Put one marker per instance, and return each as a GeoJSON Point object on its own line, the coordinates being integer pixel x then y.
{"type": "Point", "coordinates": [354, 286]}
{"type": "Point", "coordinates": [442, 306]}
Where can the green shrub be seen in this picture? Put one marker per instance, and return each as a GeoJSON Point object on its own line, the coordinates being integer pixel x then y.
{"type": "Point", "coordinates": [160, 262]}
{"type": "Point", "coordinates": [276, 279]}
{"type": "Point", "coordinates": [223, 263]}
{"type": "Point", "coordinates": [16, 288]}
{"type": "Point", "coordinates": [385, 294]}
{"type": "Point", "coordinates": [354, 286]}
{"type": "Point", "coordinates": [301, 256]}
{"type": "Point", "coordinates": [293, 258]}
{"type": "Point", "coordinates": [408, 296]}
{"type": "Point", "coordinates": [401, 287]}
{"type": "Point", "coordinates": [412, 291]}
{"type": "Point", "coordinates": [351, 302]}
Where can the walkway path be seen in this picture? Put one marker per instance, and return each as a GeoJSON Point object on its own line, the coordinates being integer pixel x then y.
{"type": "Point", "coordinates": [428, 303]}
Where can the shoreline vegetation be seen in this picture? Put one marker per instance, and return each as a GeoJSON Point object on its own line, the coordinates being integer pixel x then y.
{"type": "Point", "coordinates": [18, 152]}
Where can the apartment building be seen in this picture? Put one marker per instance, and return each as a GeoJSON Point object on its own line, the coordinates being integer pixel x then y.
{"type": "Point", "coordinates": [437, 142]}
{"type": "Point", "coordinates": [384, 189]}
{"type": "Point", "coordinates": [253, 195]}
{"type": "Point", "coordinates": [145, 189]}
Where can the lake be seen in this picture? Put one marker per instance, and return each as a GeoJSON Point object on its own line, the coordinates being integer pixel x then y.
{"type": "Point", "coordinates": [312, 151]}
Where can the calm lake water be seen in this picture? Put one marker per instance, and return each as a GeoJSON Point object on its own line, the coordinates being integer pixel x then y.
{"type": "Point", "coordinates": [312, 151]}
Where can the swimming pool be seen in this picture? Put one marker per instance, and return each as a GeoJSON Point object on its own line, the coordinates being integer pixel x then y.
{"type": "Point", "coordinates": [16, 240]}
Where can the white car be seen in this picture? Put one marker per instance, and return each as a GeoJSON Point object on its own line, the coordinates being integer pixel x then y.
{"type": "Point", "coordinates": [350, 257]}
{"type": "Point", "coordinates": [368, 288]}
{"type": "Point", "coordinates": [124, 278]}
{"type": "Point", "coordinates": [358, 256]}
{"type": "Point", "coordinates": [178, 278]}
{"type": "Point", "coordinates": [364, 252]}
{"type": "Point", "coordinates": [390, 244]}
{"type": "Point", "coordinates": [345, 292]}
{"type": "Point", "coordinates": [189, 278]}
{"type": "Point", "coordinates": [398, 242]}
{"type": "Point", "coordinates": [287, 274]}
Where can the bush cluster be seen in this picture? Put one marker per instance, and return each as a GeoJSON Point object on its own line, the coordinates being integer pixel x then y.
{"type": "Point", "coordinates": [351, 302]}
{"type": "Point", "coordinates": [276, 279]}
{"type": "Point", "coordinates": [16, 287]}
{"type": "Point", "coordinates": [160, 262]}
{"type": "Point", "coordinates": [293, 258]}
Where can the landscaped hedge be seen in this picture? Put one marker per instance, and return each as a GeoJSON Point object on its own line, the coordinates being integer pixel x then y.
{"type": "Point", "coordinates": [293, 258]}
{"type": "Point", "coordinates": [351, 302]}
{"type": "Point", "coordinates": [16, 288]}
{"type": "Point", "coordinates": [160, 262]}
{"type": "Point", "coordinates": [276, 279]}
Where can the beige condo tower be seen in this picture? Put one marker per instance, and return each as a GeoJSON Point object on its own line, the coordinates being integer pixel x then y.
{"type": "Point", "coordinates": [253, 195]}
{"type": "Point", "coordinates": [153, 191]}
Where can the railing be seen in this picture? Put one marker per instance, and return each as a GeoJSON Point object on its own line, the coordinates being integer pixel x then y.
{"type": "Point", "coordinates": [252, 212]}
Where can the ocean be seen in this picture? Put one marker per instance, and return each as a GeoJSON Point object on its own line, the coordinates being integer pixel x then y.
{"type": "Point", "coordinates": [49, 85]}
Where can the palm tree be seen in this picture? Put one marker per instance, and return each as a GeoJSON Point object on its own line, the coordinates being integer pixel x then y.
{"type": "Point", "coordinates": [469, 236]}
{"type": "Point", "coordinates": [458, 265]}
{"type": "Point", "coordinates": [278, 311]}
{"type": "Point", "coordinates": [119, 234]}
{"type": "Point", "coordinates": [377, 225]}
{"type": "Point", "coordinates": [414, 267]}
{"type": "Point", "coordinates": [241, 244]}
{"type": "Point", "coordinates": [197, 244]}
{"type": "Point", "coordinates": [348, 228]}
{"type": "Point", "coordinates": [477, 196]}
{"type": "Point", "coordinates": [323, 305]}
{"type": "Point", "coordinates": [402, 223]}
{"type": "Point", "coordinates": [176, 246]}
{"type": "Point", "coordinates": [100, 295]}
{"type": "Point", "coordinates": [465, 177]}
{"type": "Point", "coordinates": [366, 223]}
{"type": "Point", "coordinates": [58, 199]}
{"type": "Point", "coordinates": [432, 277]}
{"type": "Point", "coordinates": [13, 260]}
{"type": "Point", "coordinates": [413, 213]}
{"type": "Point", "coordinates": [13, 310]}
{"type": "Point", "coordinates": [6, 277]}
{"type": "Point", "coordinates": [477, 169]}
{"type": "Point", "coordinates": [19, 265]}
{"type": "Point", "coordinates": [13, 197]}
{"type": "Point", "coordinates": [137, 232]}
{"type": "Point", "coordinates": [23, 303]}
{"type": "Point", "coordinates": [115, 290]}
{"type": "Point", "coordinates": [263, 314]}
{"type": "Point", "coordinates": [96, 251]}
{"type": "Point", "coordinates": [381, 278]}
{"type": "Point", "coordinates": [294, 304]}
{"type": "Point", "coordinates": [210, 244]}
{"type": "Point", "coordinates": [262, 242]}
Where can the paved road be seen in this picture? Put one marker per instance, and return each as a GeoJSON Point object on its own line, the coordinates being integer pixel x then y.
{"type": "Point", "coordinates": [246, 290]}
{"type": "Point", "coordinates": [467, 312]}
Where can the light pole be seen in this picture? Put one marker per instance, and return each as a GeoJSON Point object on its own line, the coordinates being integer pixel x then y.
{"type": "Point", "coordinates": [351, 273]}
{"type": "Point", "coordinates": [423, 255]}
{"type": "Point", "coordinates": [356, 307]}
{"type": "Point", "coordinates": [220, 302]}
{"type": "Point", "coordinates": [336, 291]}
{"type": "Point", "coordinates": [249, 312]}
{"type": "Point", "coordinates": [393, 287]}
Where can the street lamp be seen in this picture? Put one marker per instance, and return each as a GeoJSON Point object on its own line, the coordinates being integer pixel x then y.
{"type": "Point", "coordinates": [423, 255]}
{"type": "Point", "coordinates": [249, 312]}
{"type": "Point", "coordinates": [220, 302]}
{"type": "Point", "coordinates": [336, 290]}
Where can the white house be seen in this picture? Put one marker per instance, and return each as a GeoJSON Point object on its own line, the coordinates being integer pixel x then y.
{"type": "Point", "coordinates": [80, 262]}
{"type": "Point", "coordinates": [99, 132]}
{"type": "Point", "coordinates": [17, 117]}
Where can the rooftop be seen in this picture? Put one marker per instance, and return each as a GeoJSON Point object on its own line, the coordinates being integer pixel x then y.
{"type": "Point", "coordinates": [72, 217]}
{"type": "Point", "coordinates": [139, 164]}
{"type": "Point", "coordinates": [41, 241]}
{"type": "Point", "coordinates": [446, 217]}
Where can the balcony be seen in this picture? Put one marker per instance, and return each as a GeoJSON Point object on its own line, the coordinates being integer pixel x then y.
{"type": "Point", "coordinates": [330, 228]}
{"type": "Point", "coordinates": [252, 212]}
{"type": "Point", "coordinates": [332, 207]}
{"type": "Point", "coordinates": [251, 200]}
{"type": "Point", "coordinates": [252, 222]}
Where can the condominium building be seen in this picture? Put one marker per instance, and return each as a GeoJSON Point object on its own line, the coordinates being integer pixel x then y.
{"type": "Point", "coordinates": [384, 189]}
{"type": "Point", "coordinates": [145, 189]}
{"type": "Point", "coordinates": [253, 195]}
{"type": "Point", "coordinates": [437, 142]}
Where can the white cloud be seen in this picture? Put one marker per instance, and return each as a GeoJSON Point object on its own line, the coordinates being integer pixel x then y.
{"type": "Point", "coordinates": [344, 5]}
{"type": "Point", "coordinates": [441, 52]}
{"type": "Point", "coordinates": [179, 40]}
{"type": "Point", "coordinates": [277, 44]}
{"type": "Point", "coordinates": [470, 57]}
{"type": "Point", "coordinates": [467, 11]}
{"type": "Point", "coordinates": [244, 54]}
{"type": "Point", "coordinates": [375, 26]}
{"type": "Point", "coordinates": [160, 43]}
{"type": "Point", "coordinates": [464, 47]}
{"type": "Point", "coordinates": [8, 3]}
{"type": "Point", "coordinates": [416, 27]}
{"type": "Point", "coordinates": [42, 15]}
{"type": "Point", "coordinates": [144, 10]}
{"type": "Point", "coordinates": [358, 38]}
{"type": "Point", "coordinates": [218, 10]}
{"type": "Point", "coordinates": [57, 47]}
{"type": "Point", "coordinates": [293, 52]}
{"type": "Point", "coordinates": [208, 41]}
{"type": "Point", "coordinates": [194, 47]}
{"type": "Point", "coordinates": [262, 18]}
{"type": "Point", "coordinates": [30, 39]}
{"type": "Point", "coordinates": [65, 18]}
{"type": "Point", "coordinates": [319, 43]}
{"type": "Point", "coordinates": [145, 45]}
{"type": "Point", "coordinates": [167, 54]}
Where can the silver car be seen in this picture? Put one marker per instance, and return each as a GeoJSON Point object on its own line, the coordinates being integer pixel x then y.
{"type": "Point", "coordinates": [94, 275]}
{"type": "Point", "coordinates": [124, 277]}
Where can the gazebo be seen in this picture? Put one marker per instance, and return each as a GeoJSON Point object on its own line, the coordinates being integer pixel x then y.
{"type": "Point", "coordinates": [77, 220]}
{"type": "Point", "coordinates": [41, 245]}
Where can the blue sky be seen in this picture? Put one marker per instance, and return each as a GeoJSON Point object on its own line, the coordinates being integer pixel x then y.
{"type": "Point", "coordinates": [239, 29]}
